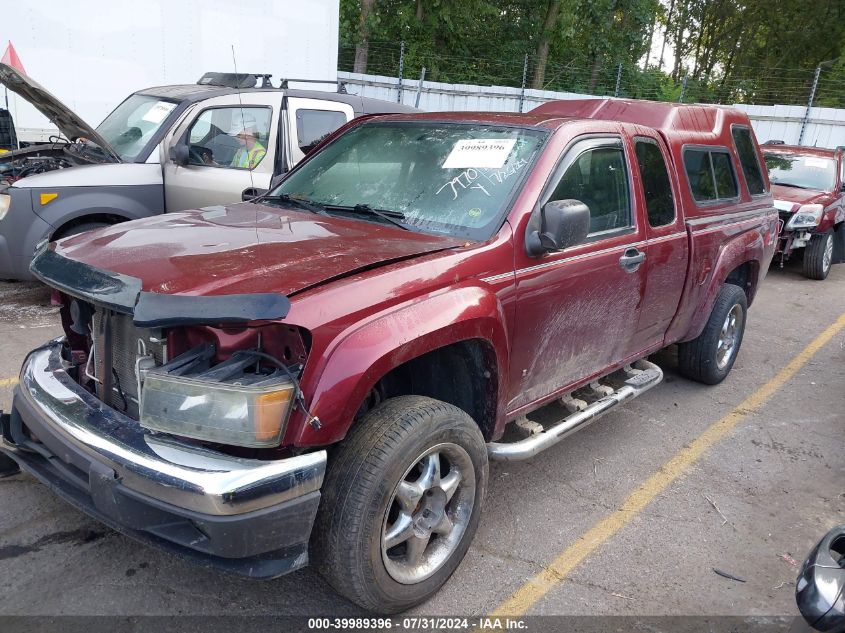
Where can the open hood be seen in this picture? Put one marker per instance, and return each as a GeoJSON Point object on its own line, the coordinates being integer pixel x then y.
{"type": "Point", "coordinates": [68, 122]}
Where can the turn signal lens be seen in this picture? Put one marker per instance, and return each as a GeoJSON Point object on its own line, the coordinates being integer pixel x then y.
{"type": "Point", "coordinates": [44, 198]}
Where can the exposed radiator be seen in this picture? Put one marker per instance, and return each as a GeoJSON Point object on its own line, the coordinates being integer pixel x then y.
{"type": "Point", "coordinates": [128, 343]}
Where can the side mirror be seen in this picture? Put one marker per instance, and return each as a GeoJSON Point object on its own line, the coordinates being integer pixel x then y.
{"type": "Point", "coordinates": [180, 154]}
{"type": "Point", "coordinates": [252, 192]}
{"type": "Point", "coordinates": [820, 590]}
{"type": "Point", "coordinates": [562, 223]}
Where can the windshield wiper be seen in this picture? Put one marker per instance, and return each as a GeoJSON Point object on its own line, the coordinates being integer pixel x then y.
{"type": "Point", "coordinates": [302, 203]}
{"type": "Point", "coordinates": [388, 215]}
{"type": "Point", "coordinates": [789, 184]}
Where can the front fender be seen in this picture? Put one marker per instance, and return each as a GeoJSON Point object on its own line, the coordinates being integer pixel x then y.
{"type": "Point", "coordinates": [126, 201]}
{"type": "Point", "coordinates": [830, 218]}
{"type": "Point", "coordinates": [355, 360]}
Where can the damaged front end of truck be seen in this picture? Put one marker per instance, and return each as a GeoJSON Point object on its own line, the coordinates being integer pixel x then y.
{"type": "Point", "coordinates": [166, 428]}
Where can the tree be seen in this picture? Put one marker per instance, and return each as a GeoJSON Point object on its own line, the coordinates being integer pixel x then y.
{"type": "Point", "coordinates": [544, 42]}
{"type": "Point", "coordinates": [362, 48]}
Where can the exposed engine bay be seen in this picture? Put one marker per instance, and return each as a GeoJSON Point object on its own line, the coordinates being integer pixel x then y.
{"type": "Point", "coordinates": [225, 388]}
{"type": "Point", "coordinates": [57, 154]}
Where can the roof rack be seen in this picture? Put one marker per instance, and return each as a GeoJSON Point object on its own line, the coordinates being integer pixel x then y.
{"type": "Point", "coordinates": [236, 80]}
{"type": "Point", "coordinates": [341, 85]}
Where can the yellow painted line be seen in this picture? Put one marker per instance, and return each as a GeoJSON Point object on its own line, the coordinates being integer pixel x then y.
{"type": "Point", "coordinates": [557, 571]}
{"type": "Point", "coordinates": [8, 382]}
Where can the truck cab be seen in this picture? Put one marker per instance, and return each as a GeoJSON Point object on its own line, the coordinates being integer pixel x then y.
{"type": "Point", "coordinates": [163, 149]}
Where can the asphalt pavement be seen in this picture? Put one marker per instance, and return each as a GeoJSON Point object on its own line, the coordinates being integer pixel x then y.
{"type": "Point", "coordinates": [631, 515]}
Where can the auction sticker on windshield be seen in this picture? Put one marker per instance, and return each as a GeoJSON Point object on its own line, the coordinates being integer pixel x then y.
{"type": "Point", "coordinates": [157, 113]}
{"type": "Point", "coordinates": [479, 152]}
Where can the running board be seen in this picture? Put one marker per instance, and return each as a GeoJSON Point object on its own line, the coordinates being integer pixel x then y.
{"type": "Point", "coordinates": [633, 381]}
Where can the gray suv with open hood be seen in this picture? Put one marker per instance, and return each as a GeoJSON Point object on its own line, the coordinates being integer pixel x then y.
{"type": "Point", "coordinates": [166, 148]}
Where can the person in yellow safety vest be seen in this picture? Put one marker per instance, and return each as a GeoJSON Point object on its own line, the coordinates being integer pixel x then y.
{"type": "Point", "coordinates": [252, 151]}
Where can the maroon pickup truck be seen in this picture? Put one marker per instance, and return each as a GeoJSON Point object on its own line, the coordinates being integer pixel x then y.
{"type": "Point", "coordinates": [808, 186]}
{"type": "Point", "coordinates": [324, 372]}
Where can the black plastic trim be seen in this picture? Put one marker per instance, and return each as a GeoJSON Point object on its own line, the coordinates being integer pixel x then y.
{"type": "Point", "coordinates": [112, 290]}
{"type": "Point", "coordinates": [122, 293]}
{"type": "Point", "coordinates": [161, 310]}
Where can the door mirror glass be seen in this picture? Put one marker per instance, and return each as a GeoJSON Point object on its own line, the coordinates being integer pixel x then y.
{"type": "Point", "coordinates": [563, 223]}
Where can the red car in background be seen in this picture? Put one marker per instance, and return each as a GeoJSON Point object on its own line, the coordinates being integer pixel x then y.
{"type": "Point", "coordinates": [807, 185]}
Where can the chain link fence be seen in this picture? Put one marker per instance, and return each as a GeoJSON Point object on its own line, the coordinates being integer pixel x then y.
{"type": "Point", "coordinates": [620, 78]}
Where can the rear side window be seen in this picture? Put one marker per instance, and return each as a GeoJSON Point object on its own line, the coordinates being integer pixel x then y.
{"type": "Point", "coordinates": [711, 174]}
{"type": "Point", "coordinates": [748, 160]}
{"type": "Point", "coordinates": [656, 185]}
{"type": "Point", "coordinates": [313, 125]}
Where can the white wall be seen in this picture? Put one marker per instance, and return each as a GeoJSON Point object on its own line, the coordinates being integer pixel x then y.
{"type": "Point", "coordinates": [92, 53]}
{"type": "Point", "coordinates": [825, 128]}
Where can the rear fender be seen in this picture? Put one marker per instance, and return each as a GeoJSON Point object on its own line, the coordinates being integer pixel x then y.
{"type": "Point", "coordinates": [360, 356]}
{"type": "Point", "coordinates": [749, 247]}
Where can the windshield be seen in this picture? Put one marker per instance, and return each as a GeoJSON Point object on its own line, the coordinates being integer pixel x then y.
{"type": "Point", "coordinates": [447, 178]}
{"type": "Point", "coordinates": [795, 170]}
{"type": "Point", "coordinates": [133, 123]}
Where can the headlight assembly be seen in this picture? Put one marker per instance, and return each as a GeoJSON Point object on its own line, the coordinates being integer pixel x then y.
{"type": "Point", "coordinates": [250, 411]}
{"type": "Point", "coordinates": [5, 203]}
{"type": "Point", "coordinates": [806, 217]}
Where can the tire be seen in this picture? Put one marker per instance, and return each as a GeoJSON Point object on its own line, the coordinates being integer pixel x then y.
{"type": "Point", "coordinates": [79, 228]}
{"type": "Point", "coordinates": [704, 359]}
{"type": "Point", "coordinates": [818, 256]}
{"type": "Point", "coordinates": [362, 503]}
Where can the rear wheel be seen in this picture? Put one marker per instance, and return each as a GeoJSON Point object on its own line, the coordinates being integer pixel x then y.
{"type": "Point", "coordinates": [710, 357]}
{"type": "Point", "coordinates": [401, 503]}
{"type": "Point", "coordinates": [819, 256]}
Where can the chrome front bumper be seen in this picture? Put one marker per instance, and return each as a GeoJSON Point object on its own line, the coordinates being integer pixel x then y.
{"type": "Point", "coordinates": [104, 462]}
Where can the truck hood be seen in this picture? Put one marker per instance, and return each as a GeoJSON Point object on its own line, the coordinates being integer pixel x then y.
{"type": "Point", "coordinates": [244, 248]}
{"type": "Point", "coordinates": [68, 122]}
{"type": "Point", "coordinates": [793, 197]}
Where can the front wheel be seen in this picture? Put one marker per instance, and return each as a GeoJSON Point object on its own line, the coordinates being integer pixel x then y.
{"type": "Point", "coordinates": [401, 503]}
{"type": "Point", "coordinates": [710, 357]}
{"type": "Point", "coordinates": [819, 256]}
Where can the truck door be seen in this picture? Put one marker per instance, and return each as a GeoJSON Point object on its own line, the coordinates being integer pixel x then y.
{"type": "Point", "coordinates": [231, 148]}
{"type": "Point", "coordinates": [666, 245]}
{"type": "Point", "coordinates": [577, 310]}
{"type": "Point", "coordinates": [309, 120]}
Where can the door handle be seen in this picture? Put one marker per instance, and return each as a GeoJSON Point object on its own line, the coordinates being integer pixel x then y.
{"type": "Point", "coordinates": [631, 259]}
